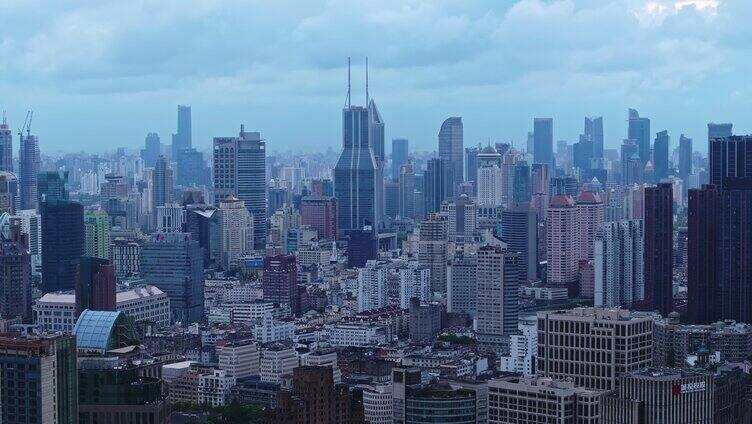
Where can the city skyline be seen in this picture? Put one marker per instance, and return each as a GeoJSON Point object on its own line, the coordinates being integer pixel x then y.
{"type": "Point", "coordinates": [671, 76]}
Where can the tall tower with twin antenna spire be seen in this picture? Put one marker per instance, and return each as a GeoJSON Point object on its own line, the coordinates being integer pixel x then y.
{"type": "Point", "coordinates": [358, 184]}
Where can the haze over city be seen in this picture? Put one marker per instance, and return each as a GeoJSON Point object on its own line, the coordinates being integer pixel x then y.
{"type": "Point", "coordinates": [101, 74]}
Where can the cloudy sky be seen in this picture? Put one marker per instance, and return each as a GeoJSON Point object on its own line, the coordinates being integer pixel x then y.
{"type": "Point", "coordinates": [100, 74]}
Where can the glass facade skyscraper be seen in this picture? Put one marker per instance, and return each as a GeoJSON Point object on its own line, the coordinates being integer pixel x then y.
{"type": "Point", "coordinates": [543, 135]}
{"type": "Point", "coordinates": [451, 148]}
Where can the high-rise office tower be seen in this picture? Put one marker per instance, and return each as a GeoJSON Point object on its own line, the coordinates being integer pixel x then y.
{"type": "Point", "coordinates": [462, 216]}
{"type": "Point", "coordinates": [521, 190]}
{"type": "Point", "coordinates": [376, 141]}
{"type": "Point", "coordinates": [471, 164]}
{"type": "Point", "coordinates": [543, 134]}
{"type": "Point", "coordinates": [152, 150]}
{"type": "Point", "coordinates": [564, 185]}
{"type": "Point", "coordinates": [519, 232]}
{"type": "Point", "coordinates": [62, 243]}
{"type": "Point", "coordinates": [498, 278]}
{"type": "Point", "coordinates": [407, 191]}
{"type": "Point", "coordinates": [15, 275]}
{"type": "Point", "coordinates": [192, 169]}
{"type": "Point", "coordinates": [562, 241]}
{"type": "Point", "coordinates": [618, 264]}
{"type": "Point", "coordinates": [400, 155]}
{"type": "Point", "coordinates": [6, 147]}
{"type": "Point", "coordinates": [44, 381]}
{"type": "Point", "coordinates": [703, 271]}
{"type": "Point", "coordinates": [462, 283]}
{"type": "Point", "coordinates": [489, 173]}
{"type": "Point", "coordinates": [95, 285]}
{"type": "Point", "coordinates": [355, 174]}
{"type": "Point", "coordinates": [572, 344]}
{"type": "Point", "coordinates": [631, 164]}
{"type": "Point", "coordinates": [720, 130]}
{"type": "Point", "coordinates": [729, 157]}
{"type": "Point", "coordinates": [539, 178]}
{"type": "Point", "coordinates": [594, 132]}
{"type": "Point", "coordinates": [372, 292]}
{"type": "Point", "coordinates": [582, 153]}
{"type": "Point", "coordinates": [433, 234]}
{"type": "Point", "coordinates": [437, 184]}
{"type": "Point", "coordinates": [280, 281]}
{"type": "Point", "coordinates": [97, 227]}
{"type": "Point", "coordinates": [240, 171]}
{"type": "Point", "coordinates": [173, 262]}
{"type": "Point", "coordinates": [415, 281]}
{"type": "Point", "coordinates": [183, 139]}
{"type": "Point", "coordinates": [236, 226]}
{"type": "Point", "coordinates": [362, 246]}
{"type": "Point", "coordinates": [8, 192]}
{"type": "Point", "coordinates": [685, 159]}
{"type": "Point", "coordinates": [591, 213]}
{"type": "Point", "coordinates": [28, 170]}
{"type": "Point", "coordinates": [52, 186]}
{"type": "Point", "coordinates": [660, 155]}
{"type": "Point", "coordinates": [202, 222]}
{"type": "Point", "coordinates": [391, 198]}
{"type": "Point", "coordinates": [451, 148]}
{"type": "Point", "coordinates": [320, 212]}
{"type": "Point", "coordinates": [638, 130]}
{"type": "Point", "coordinates": [161, 186]}
{"type": "Point", "coordinates": [658, 251]}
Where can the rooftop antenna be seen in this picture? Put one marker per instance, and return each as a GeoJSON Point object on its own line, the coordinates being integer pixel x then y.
{"type": "Point", "coordinates": [367, 98]}
{"type": "Point", "coordinates": [5, 121]}
{"type": "Point", "coordinates": [348, 82]}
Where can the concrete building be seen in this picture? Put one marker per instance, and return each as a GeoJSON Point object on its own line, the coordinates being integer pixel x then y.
{"type": "Point", "coordinates": [125, 256]}
{"type": "Point", "coordinates": [320, 213]}
{"type": "Point", "coordinates": [239, 359]}
{"type": "Point", "coordinates": [490, 183]}
{"type": "Point", "coordinates": [661, 396]}
{"type": "Point", "coordinates": [377, 403]}
{"type": "Point", "coordinates": [372, 286]}
{"type": "Point", "coordinates": [432, 249]}
{"type": "Point", "coordinates": [214, 388]}
{"type": "Point", "coordinates": [462, 284]}
{"type": "Point", "coordinates": [277, 360]}
{"type": "Point", "coordinates": [498, 279]}
{"type": "Point", "coordinates": [425, 321]}
{"type": "Point", "coordinates": [415, 282]}
{"type": "Point", "coordinates": [356, 334]}
{"type": "Point", "coordinates": [593, 346]}
{"type": "Point", "coordinates": [462, 219]}
{"type": "Point", "coordinates": [591, 213]}
{"type": "Point", "coordinates": [562, 243]}
{"type": "Point", "coordinates": [416, 403]}
{"type": "Point", "coordinates": [618, 264]}
{"type": "Point", "coordinates": [170, 218]}
{"type": "Point", "coordinates": [658, 253]}
{"type": "Point", "coordinates": [523, 349]}
{"type": "Point", "coordinates": [673, 341]}
{"type": "Point", "coordinates": [519, 226]}
{"type": "Point", "coordinates": [55, 311]}
{"type": "Point", "coordinates": [279, 281]}
{"type": "Point", "coordinates": [532, 400]}
{"type": "Point", "coordinates": [271, 330]}
{"type": "Point", "coordinates": [236, 231]}
{"type": "Point", "coordinates": [97, 234]}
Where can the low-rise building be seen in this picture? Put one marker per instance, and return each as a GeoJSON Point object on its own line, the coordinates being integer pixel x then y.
{"type": "Point", "coordinates": [674, 341]}
{"type": "Point", "coordinates": [272, 330]}
{"type": "Point", "coordinates": [277, 360]}
{"type": "Point", "coordinates": [343, 334]}
{"type": "Point", "coordinates": [214, 388]}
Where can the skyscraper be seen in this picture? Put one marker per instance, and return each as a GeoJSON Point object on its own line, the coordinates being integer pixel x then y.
{"type": "Point", "coordinates": [6, 147]}
{"type": "Point", "coordinates": [471, 166]}
{"type": "Point", "coordinates": [433, 234]}
{"type": "Point", "coordinates": [15, 275]}
{"type": "Point", "coordinates": [28, 170]}
{"type": "Point", "coordinates": [44, 380]}
{"type": "Point", "coordinates": [594, 133]}
{"type": "Point", "coordinates": [407, 191]}
{"type": "Point", "coordinates": [192, 169]}
{"type": "Point", "coordinates": [498, 276]}
{"type": "Point", "coordinates": [489, 174]}
{"type": "Point", "coordinates": [591, 213]}
{"type": "Point", "coordinates": [639, 131]}
{"type": "Point", "coordinates": [562, 232]}
{"type": "Point", "coordinates": [280, 281]}
{"type": "Point", "coordinates": [173, 262]}
{"type": "Point", "coordinates": [236, 226]}
{"type": "Point", "coordinates": [618, 263]}
{"type": "Point", "coordinates": [372, 292]}
{"type": "Point", "coordinates": [97, 226]}
{"type": "Point", "coordinates": [355, 173]}
{"type": "Point", "coordinates": [240, 171]}
{"type": "Point", "coordinates": [519, 232]}
{"type": "Point", "coordinates": [52, 186]}
{"type": "Point", "coordinates": [462, 284]}
{"type": "Point", "coordinates": [376, 141]}
{"type": "Point", "coordinates": [95, 285]}
{"type": "Point", "coordinates": [720, 130]}
{"type": "Point", "coordinates": [320, 212]}
{"type": "Point", "coordinates": [62, 243]}
{"type": "Point", "coordinates": [451, 148]}
{"type": "Point", "coordinates": [729, 157]}
{"type": "Point", "coordinates": [685, 158]}
{"type": "Point", "coordinates": [162, 189]}
{"type": "Point", "coordinates": [400, 155]}
{"type": "Point", "coordinates": [152, 149]}
{"type": "Point", "coordinates": [183, 139]}
{"type": "Point", "coordinates": [437, 184]}
{"type": "Point", "coordinates": [658, 251]}
{"type": "Point", "coordinates": [703, 255]}
{"type": "Point", "coordinates": [660, 155]}
{"type": "Point", "coordinates": [521, 190]}
{"type": "Point", "coordinates": [543, 134]}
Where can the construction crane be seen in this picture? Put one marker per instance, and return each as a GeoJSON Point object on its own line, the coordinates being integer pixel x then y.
{"type": "Point", "coordinates": [26, 125]}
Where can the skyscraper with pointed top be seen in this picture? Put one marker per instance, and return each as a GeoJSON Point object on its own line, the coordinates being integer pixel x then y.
{"type": "Point", "coordinates": [356, 171]}
{"type": "Point", "coordinates": [6, 147]}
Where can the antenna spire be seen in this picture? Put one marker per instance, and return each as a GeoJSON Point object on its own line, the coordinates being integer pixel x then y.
{"type": "Point", "coordinates": [5, 121]}
{"type": "Point", "coordinates": [348, 82]}
{"type": "Point", "coordinates": [367, 98]}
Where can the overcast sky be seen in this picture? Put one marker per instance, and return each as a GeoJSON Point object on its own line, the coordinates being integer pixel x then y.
{"type": "Point", "coordinates": [100, 74]}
